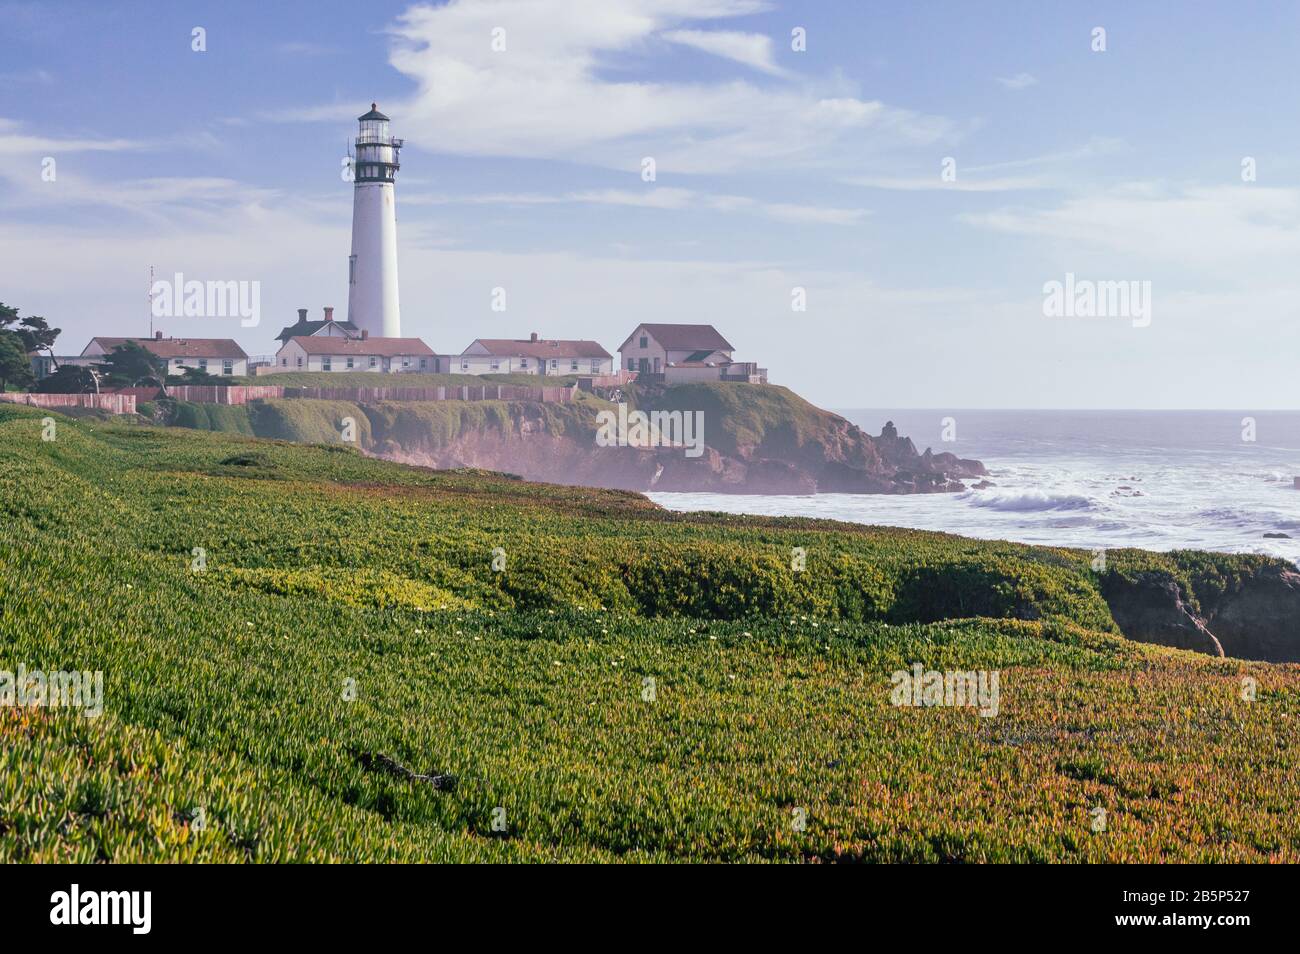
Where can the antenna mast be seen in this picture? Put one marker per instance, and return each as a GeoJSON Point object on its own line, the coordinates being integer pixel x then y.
{"type": "Point", "coordinates": [150, 297]}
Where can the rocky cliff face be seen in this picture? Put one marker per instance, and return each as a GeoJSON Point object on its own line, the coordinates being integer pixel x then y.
{"type": "Point", "coordinates": [1260, 620]}
{"type": "Point", "coordinates": [834, 456]}
{"type": "Point", "coordinates": [1257, 619]}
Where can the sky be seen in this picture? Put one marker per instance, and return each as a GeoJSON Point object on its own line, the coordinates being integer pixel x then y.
{"type": "Point", "coordinates": [915, 176]}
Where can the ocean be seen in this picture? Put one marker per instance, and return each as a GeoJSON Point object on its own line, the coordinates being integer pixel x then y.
{"type": "Point", "coordinates": [1160, 480]}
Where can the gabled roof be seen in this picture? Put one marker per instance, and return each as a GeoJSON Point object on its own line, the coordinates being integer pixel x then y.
{"type": "Point", "coordinates": [304, 328]}
{"type": "Point", "coordinates": [683, 337]}
{"type": "Point", "coordinates": [542, 348]}
{"type": "Point", "coordinates": [380, 347]}
{"type": "Point", "coordinates": [177, 347]}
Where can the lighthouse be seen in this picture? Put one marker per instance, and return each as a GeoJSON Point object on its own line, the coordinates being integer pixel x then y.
{"type": "Point", "coordinates": [372, 266]}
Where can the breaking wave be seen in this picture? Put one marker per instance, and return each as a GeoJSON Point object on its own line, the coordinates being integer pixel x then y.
{"type": "Point", "coordinates": [1021, 501]}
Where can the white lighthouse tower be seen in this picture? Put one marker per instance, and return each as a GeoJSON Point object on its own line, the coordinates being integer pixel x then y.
{"type": "Point", "coordinates": [372, 266]}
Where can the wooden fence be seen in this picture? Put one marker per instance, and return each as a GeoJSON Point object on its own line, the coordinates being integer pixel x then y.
{"type": "Point", "coordinates": [242, 394]}
{"type": "Point", "coordinates": [220, 394]}
{"type": "Point", "coordinates": [463, 392]}
{"type": "Point", "coordinates": [113, 403]}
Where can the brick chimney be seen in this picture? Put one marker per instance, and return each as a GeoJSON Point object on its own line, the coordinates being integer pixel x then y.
{"type": "Point", "coordinates": [365, 333]}
{"type": "Point", "coordinates": [533, 337]}
{"type": "Point", "coordinates": [302, 315]}
{"type": "Point", "coordinates": [329, 312]}
{"type": "Point", "coordinates": [157, 336]}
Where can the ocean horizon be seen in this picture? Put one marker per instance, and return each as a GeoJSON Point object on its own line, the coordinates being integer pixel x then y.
{"type": "Point", "coordinates": [1160, 480]}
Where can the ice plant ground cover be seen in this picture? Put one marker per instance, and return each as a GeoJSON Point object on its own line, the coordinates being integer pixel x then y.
{"type": "Point", "coordinates": [296, 640]}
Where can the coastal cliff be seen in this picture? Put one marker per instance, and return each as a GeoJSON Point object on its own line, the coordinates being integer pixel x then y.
{"type": "Point", "coordinates": [752, 439]}
{"type": "Point", "coordinates": [757, 439]}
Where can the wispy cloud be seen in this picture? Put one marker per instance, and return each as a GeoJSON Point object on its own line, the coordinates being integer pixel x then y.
{"type": "Point", "coordinates": [663, 198]}
{"type": "Point", "coordinates": [15, 141]}
{"type": "Point", "coordinates": [304, 48]}
{"type": "Point", "coordinates": [1004, 176]}
{"type": "Point", "coordinates": [1019, 81]}
{"type": "Point", "coordinates": [962, 183]}
{"type": "Point", "coordinates": [751, 49]}
{"type": "Point", "coordinates": [1238, 232]}
{"type": "Point", "coordinates": [38, 77]}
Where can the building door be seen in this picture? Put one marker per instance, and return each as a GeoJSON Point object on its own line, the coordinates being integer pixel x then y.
{"type": "Point", "coordinates": [656, 365]}
{"type": "Point", "coordinates": [643, 365]}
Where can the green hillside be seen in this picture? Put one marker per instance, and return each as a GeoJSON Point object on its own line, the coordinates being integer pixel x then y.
{"type": "Point", "coordinates": [631, 685]}
{"type": "Point", "coordinates": [738, 414]}
{"type": "Point", "coordinates": [411, 424]}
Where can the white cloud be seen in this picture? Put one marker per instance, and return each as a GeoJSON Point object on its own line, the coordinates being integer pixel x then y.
{"type": "Point", "coordinates": [547, 94]}
{"type": "Point", "coordinates": [1019, 81]}
{"type": "Point", "coordinates": [751, 49]}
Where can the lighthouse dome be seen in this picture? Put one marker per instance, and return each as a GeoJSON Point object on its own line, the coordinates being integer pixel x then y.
{"type": "Point", "coordinates": [373, 114]}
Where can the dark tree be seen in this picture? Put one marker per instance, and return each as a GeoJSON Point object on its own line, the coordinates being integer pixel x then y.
{"type": "Point", "coordinates": [36, 333]}
{"type": "Point", "coordinates": [68, 379]}
{"type": "Point", "coordinates": [33, 331]}
{"type": "Point", "coordinates": [130, 365]}
{"type": "Point", "coordinates": [15, 366]}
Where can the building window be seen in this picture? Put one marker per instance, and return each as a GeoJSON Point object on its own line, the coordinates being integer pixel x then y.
{"type": "Point", "coordinates": [523, 364]}
{"type": "Point", "coordinates": [325, 364]}
{"type": "Point", "coordinates": [424, 363]}
{"type": "Point", "coordinates": [644, 341]}
{"type": "Point", "coordinates": [496, 364]}
{"type": "Point", "coordinates": [352, 271]}
{"type": "Point", "coordinates": [573, 365]}
{"type": "Point", "coordinates": [595, 366]}
{"type": "Point", "coordinates": [631, 364]}
{"type": "Point", "coordinates": [203, 364]}
{"type": "Point", "coordinates": [300, 362]}
{"type": "Point", "coordinates": [349, 364]}
{"type": "Point", "coordinates": [373, 361]}
{"type": "Point", "coordinates": [464, 365]}
{"type": "Point", "coordinates": [227, 367]}
{"type": "Point", "coordinates": [284, 362]}
{"type": "Point", "coordinates": [554, 364]}
{"type": "Point", "coordinates": [406, 362]}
